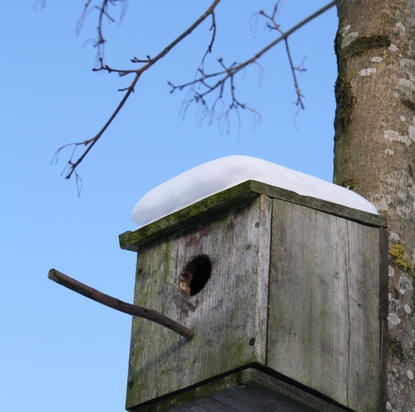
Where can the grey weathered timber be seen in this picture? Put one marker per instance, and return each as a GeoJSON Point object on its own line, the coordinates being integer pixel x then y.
{"type": "Point", "coordinates": [245, 397]}
{"type": "Point", "coordinates": [295, 302]}
{"type": "Point", "coordinates": [254, 387]}
{"type": "Point", "coordinates": [324, 304]}
{"type": "Point", "coordinates": [230, 326]}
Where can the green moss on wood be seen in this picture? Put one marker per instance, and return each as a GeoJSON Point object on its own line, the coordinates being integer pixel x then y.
{"type": "Point", "coordinates": [230, 200]}
{"type": "Point", "coordinates": [212, 206]}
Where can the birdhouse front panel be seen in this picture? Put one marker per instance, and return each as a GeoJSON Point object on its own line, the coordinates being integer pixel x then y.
{"type": "Point", "coordinates": [211, 277]}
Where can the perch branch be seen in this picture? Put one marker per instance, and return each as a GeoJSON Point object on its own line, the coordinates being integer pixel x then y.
{"type": "Point", "coordinates": [117, 304]}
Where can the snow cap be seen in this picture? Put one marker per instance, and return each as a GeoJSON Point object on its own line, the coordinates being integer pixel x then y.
{"type": "Point", "coordinates": [220, 174]}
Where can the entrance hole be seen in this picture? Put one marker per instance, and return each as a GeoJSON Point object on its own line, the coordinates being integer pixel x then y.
{"type": "Point", "coordinates": [195, 275]}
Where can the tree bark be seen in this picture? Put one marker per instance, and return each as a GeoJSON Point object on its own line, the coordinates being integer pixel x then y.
{"type": "Point", "coordinates": [374, 154]}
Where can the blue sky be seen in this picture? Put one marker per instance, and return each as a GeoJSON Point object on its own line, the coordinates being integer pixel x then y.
{"type": "Point", "coordinates": [60, 350]}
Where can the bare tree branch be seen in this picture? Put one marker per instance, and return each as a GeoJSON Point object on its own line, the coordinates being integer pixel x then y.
{"type": "Point", "coordinates": [202, 86]}
{"type": "Point", "coordinates": [228, 73]}
{"type": "Point", "coordinates": [103, 13]}
{"type": "Point", "coordinates": [273, 25]}
{"type": "Point", "coordinates": [147, 63]}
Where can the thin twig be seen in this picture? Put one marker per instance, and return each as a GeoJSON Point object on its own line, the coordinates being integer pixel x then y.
{"type": "Point", "coordinates": [223, 76]}
{"type": "Point", "coordinates": [103, 12]}
{"type": "Point", "coordinates": [117, 304]}
{"type": "Point", "coordinates": [90, 143]}
{"type": "Point", "coordinates": [273, 25]}
{"type": "Point", "coordinates": [228, 73]}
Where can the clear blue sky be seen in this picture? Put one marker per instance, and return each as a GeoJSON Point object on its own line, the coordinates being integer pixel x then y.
{"type": "Point", "coordinates": [61, 351]}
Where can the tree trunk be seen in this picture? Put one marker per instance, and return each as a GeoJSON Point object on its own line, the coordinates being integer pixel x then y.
{"type": "Point", "coordinates": [375, 153]}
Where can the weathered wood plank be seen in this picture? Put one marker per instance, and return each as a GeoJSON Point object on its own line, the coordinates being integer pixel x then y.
{"type": "Point", "coordinates": [324, 304]}
{"type": "Point", "coordinates": [247, 397]}
{"type": "Point", "coordinates": [228, 316]}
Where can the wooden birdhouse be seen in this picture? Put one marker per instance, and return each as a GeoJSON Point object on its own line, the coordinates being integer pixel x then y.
{"type": "Point", "coordinates": [285, 295]}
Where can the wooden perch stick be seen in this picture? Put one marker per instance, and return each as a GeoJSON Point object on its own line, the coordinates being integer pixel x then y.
{"type": "Point", "coordinates": [117, 304]}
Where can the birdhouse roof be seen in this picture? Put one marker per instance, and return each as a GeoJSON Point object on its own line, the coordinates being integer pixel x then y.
{"type": "Point", "coordinates": [235, 197]}
{"type": "Point", "coordinates": [217, 175]}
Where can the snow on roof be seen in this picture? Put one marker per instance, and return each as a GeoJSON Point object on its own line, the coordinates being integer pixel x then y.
{"type": "Point", "coordinates": [220, 174]}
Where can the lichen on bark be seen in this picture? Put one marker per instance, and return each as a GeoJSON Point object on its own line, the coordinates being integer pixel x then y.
{"type": "Point", "coordinates": [397, 252]}
{"type": "Point", "coordinates": [374, 150]}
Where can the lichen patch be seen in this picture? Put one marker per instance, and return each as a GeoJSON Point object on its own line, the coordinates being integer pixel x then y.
{"type": "Point", "coordinates": [343, 31]}
{"type": "Point", "coordinates": [382, 202]}
{"type": "Point", "coordinates": [376, 59]}
{"type": "Point", "coordinates": [405, 284]}
{"type": "Point", "coordinates": [394, 237]}
{"type": "Point", "coordinates": [367, 72]}
{"type": "Point", "coordinates": [394, 305]}
{"type": "Point", "coordinates": [393, 48]}
{"type": "Point", "coordinates": [406, 90]}
{"type": "Point", "coordinates": [394, 319]}
{"type": "Point", "coordinates": [347, 37]}
{"type": "Point", "coordinates": [394, 136]}
{"type": "Point", "coordinates": [400, 28]}
{"type": "Point", "coordinates": [397, 253]}
{"type": "Point", "coordinates": [408, 66]}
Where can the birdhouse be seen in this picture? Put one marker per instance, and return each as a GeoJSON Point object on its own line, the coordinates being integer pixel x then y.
{"type": "Point", "coordinates": [285, 294]}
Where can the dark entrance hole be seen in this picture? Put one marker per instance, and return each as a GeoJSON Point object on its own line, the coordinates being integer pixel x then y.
{"type": "Point", "coordinates": [195, 275]}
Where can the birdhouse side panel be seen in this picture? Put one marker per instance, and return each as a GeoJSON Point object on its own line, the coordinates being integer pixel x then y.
{"type": "Point", "coordinates": [324, 329]}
